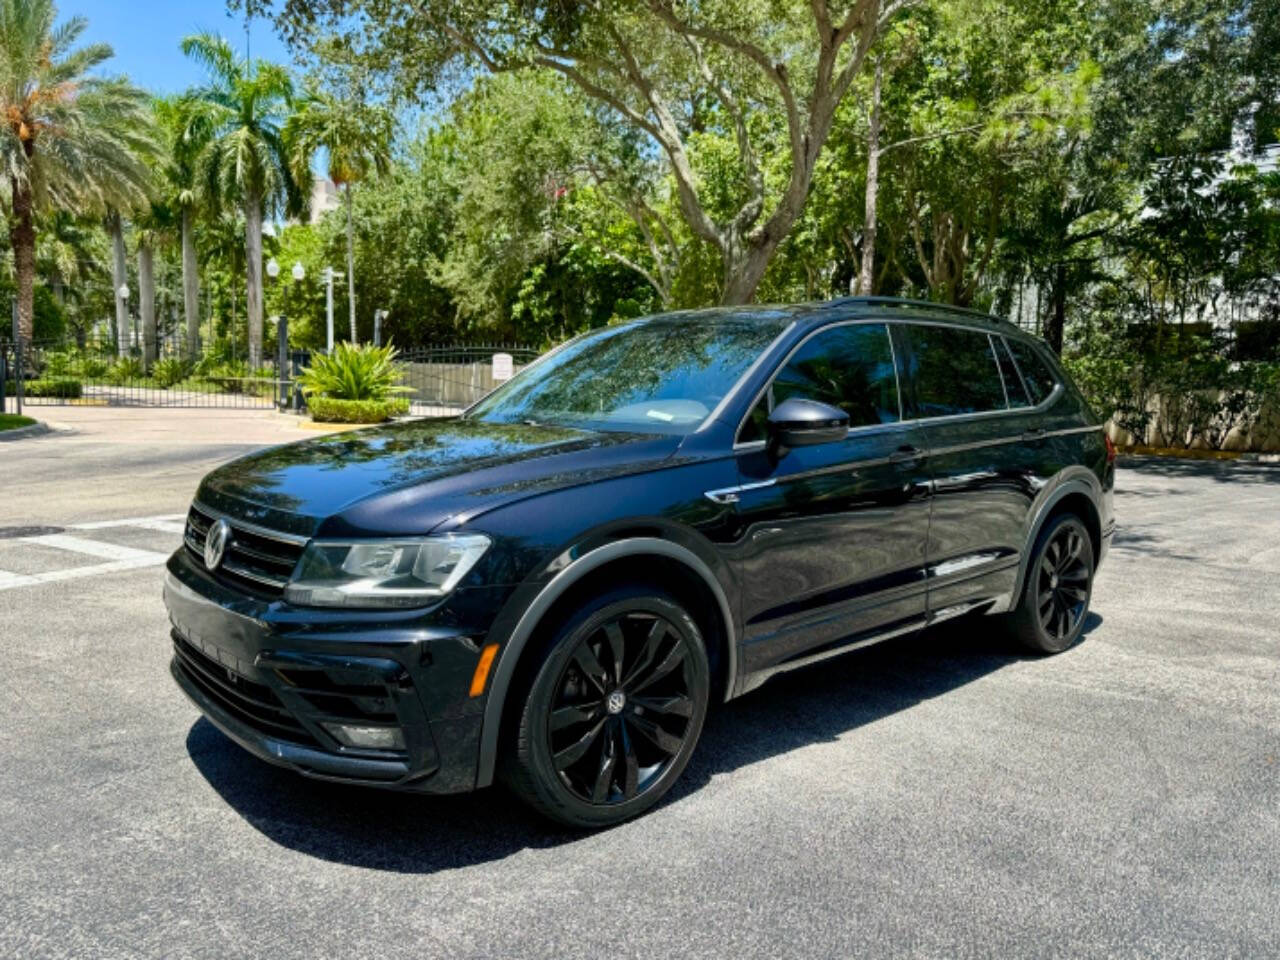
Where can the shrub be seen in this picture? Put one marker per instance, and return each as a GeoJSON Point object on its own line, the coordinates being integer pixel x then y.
{"type": "Point", "coordinates": [170, 371]}
{"type": "Point", "coordinates": [334, 410]}
{"type": "Point", "coordinates": [64, 388]}
{"type": "Point", "coordinates": [353, 373]}
{"type": "Point", "coordinates": [125, 370]}
{"type": "Point", "coordinates": [92, 368]}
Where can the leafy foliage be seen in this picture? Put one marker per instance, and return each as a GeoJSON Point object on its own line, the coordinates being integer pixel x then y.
{"type": "Point", "coordinates": [335, 410]}
{"type": "Point", "coordinates": [353, 373]}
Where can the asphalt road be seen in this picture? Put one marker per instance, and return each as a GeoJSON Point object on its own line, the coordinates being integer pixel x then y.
{"type": "Point", "coordinates": [938, 796]}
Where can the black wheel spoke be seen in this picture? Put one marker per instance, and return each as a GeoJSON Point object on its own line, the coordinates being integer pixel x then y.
{"type": "Point", "coordinates": [652, 643]}
{"type": "Point", "coordinates": [590, 666]}
{"type": "Point", "coordinates": [678, 706]}
{"type": "Point", "coordinates": [630, 764]}
{"type": "Point", "coordinates": [574, 714]}
{"type": "Point", "coordinates": [617, 649]}
{"type": "Point", "coordinates": [673, 659]}
{"type": "Point", "coordinates": [608, 764]}
{"type": "Point", "coordinates": [651, 731]}
{"type": "Point", "coordinates": [1075, 594]}
{"type": "Point", "coordinates": [578, 749]}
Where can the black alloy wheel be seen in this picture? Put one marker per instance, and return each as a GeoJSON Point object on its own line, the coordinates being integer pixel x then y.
{"type": "Point", "coordinates": [615, 712]}
{"type": "Point", "coordinates": [1059, 583]}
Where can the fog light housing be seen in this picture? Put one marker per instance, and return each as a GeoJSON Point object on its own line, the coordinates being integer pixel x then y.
{"type": "Point", "coordinates": [366, 737]}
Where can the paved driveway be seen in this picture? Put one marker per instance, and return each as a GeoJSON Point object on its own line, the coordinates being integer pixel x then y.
{"type": "Point", "coordinates": [936, 796]}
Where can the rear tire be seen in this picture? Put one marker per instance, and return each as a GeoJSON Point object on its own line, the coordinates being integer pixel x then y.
{"type": "Point", "coordinates": [613, 711]}
{"type": "Point", "coordinates": [1055, 598]}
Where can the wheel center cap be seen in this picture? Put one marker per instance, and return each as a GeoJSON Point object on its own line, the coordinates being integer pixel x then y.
{"type": "Point", "coordinates": [1053, 581]}
{"type": "Point", "coordinates": [615, 701]}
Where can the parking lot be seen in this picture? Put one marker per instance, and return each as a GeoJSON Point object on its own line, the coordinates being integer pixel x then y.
{"type": "Point", "coordinates": [937, 796]}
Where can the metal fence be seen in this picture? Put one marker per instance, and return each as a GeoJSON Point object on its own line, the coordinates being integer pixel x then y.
{"type": "Point", "coordinates": [442, 380]}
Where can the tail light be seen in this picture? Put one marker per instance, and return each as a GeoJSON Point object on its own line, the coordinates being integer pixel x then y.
{"type": "Point", "coordinates": [1111, 448]}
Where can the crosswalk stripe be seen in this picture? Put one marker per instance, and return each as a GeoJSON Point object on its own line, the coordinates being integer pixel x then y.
{"type": "Point", "coordinates": [94, 548]}
{"type": "Point", "coordinates": [10, 580]}
{"type": "Point", "coordinates": [129, 522]}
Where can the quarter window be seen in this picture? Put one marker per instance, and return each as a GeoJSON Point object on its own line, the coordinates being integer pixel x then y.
{"type": "Point", "coordinates": [955, 371]}
{"type": "Point", "coordinates": [1013, 387]}
{"type": "Point", "coordinates": [1035, 372]}
{"type": "Point", "coordinates": [850, 367]}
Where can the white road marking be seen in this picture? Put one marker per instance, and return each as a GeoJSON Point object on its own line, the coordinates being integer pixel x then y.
{"type": "Point", "coordinates": [130, 522]}
{"type": "Point", "coordinates": [76, 573]}
{"type": "Point", "coordinates": [119, 558]}
{"type": "Point", "coordinates": [94, 548]}
{"type": "Point", "coordinates": [8, 580]}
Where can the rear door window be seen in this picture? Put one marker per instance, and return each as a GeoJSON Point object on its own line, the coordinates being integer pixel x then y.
{"type": "Point", "coordinates": [850, 367]}
{"type": "Point", "coordinates": [1035, 372]}
{"type": "Point", "coordinates": [955, 371]}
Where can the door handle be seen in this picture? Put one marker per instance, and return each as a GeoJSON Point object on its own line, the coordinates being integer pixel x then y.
{"type": "Point", "coordinates": [905, 454]}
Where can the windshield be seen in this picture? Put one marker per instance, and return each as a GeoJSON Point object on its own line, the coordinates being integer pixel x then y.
{"type": "Point", "coordinates": [662, 375]}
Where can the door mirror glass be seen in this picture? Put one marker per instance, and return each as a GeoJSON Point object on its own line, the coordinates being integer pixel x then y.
{"type": "Point", "coordinates": [798, 422]}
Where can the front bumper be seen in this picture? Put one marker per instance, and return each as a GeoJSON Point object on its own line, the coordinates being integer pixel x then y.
{"type": "Point", "coordinates": [277, 681]}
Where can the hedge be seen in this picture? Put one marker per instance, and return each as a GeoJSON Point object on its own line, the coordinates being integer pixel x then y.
{"type": "Point", "coordinates": [329, 410]}
{"type": "Point", "coordinates": [62, 387]}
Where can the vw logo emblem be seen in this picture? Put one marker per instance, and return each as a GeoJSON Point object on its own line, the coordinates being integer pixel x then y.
{"type": "Point", "coordinates": [616, 701]}
{"type": "Point", "coordinates": [215, 543]}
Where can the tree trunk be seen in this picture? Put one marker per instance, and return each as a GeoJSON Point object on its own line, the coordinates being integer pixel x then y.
{"type": "Point", "coordinates": [744, 267]}
{"type": "Point", "coordinates": [119, 277]}
{"type": "Point", "coordinates": [253, 275]}
{"type": "Point", "coordinates": [22, 237]}
{"type": "Point", "coordinates": [147, 301]}
{"type": "Point", "coordinates": [1057, 320]}
{"type": "Point", "coordinates": [866, 282]}
{"type": "Point", "coordinates": [190, 283]}
{"type": "Point", "coordinates": [351, 264]}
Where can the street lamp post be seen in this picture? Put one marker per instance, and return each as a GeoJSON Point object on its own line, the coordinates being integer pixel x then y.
{"type": "Point", "coordinates": [123, 293]}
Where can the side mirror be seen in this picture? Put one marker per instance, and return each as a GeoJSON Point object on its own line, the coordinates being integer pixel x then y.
{"type": "Point", "coordinates": [798, 422]}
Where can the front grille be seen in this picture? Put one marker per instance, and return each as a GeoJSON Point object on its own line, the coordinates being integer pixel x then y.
{"type": "Point", "coordinates": [252, 703]}
{"type": "Point", "coordinates": [256, 560]}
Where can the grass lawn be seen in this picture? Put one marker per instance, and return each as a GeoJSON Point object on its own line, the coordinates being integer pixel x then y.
{"type": "Point", "coordinates": [11, 421]}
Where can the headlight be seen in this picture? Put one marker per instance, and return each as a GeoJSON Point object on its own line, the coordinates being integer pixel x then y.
{"type": "Point", "coordinates": [383, 573]}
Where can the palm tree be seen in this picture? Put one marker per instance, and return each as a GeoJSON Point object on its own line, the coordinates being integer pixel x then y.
{"type": "Point", "coordinates": [68, 140]}
{"type": "Point", "coordinates": [187, 126]}
{"type": "Point", "coordinates": [245, 159]}
{"type": "Point", "coordinates": [356, 139]}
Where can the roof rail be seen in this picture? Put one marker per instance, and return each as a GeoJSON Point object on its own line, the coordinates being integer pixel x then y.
{"type": "Point", "coordinates": [908, 303]}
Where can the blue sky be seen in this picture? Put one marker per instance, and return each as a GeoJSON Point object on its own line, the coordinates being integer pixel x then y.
{"type": "Point", "coordinates": [146, 33]}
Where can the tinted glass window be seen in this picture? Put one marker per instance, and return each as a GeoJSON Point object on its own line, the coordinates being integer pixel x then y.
{"type": "Point", "coordinates": [1013, 387]}
{"type": "Point", "coordinates": [663, 375]}
{"type": "Point", "coordinates": [1035, 372]}
{"type": "Point", "coordinates": [850, 367]}
{"type": "Point", "coordinates": [955, 371]}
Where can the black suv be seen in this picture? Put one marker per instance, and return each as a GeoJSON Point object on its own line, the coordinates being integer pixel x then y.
{"type": "Point", "coordinates": [554, 586]}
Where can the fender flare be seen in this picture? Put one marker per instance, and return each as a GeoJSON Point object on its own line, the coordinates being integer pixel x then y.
{"type": "Point", "coordinates": [515, 643]}
{"type": "Point", "coordinates": [1083, 482]}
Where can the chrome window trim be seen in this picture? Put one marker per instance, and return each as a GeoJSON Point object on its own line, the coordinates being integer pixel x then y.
{"type": "Point", "coordinates": [291, 538]}
{"type": "Point", "coordinates": [1008, 351]}
{"type": "Point", "coordinates": [1041, 407]}
{"type": "Point", "coordinates": [1004, 387]}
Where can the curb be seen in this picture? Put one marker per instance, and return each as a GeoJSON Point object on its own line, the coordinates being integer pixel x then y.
{"type": "Point", "coordinates": [21, 433]}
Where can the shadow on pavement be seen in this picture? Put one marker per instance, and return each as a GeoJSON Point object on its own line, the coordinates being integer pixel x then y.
{"type": "Point", "coordinates": [410, 833]}
{"type": "Point", "coordinates": [1223, 471]}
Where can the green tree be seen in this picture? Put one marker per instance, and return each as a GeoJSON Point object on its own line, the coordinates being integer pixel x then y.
{"type": "Point", "coordinates": [356, 140]}
{"type": "Point", "coordinates": [69, 140]}
{"type": "Point", "coordinates": [187, 125]}
{"type": "Point", "coordinates": [656, 65]}
{"type": "Point", "coordinates": [246, 162]}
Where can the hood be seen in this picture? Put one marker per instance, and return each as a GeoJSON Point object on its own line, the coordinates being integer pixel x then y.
{"type": "Point", "coordinates": [406, 478]}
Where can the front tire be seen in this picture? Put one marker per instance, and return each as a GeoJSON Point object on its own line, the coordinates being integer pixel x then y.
{"type": "Point", "coordinates": [614, 710]}
{"type": "Point", "coordinates": [1050, 616]}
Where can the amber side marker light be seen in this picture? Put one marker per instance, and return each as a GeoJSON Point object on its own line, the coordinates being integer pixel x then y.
{"type": "Point", "coordinates": [1111, 448]}
{"type": "Point", "coordinates": [481, 676]}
